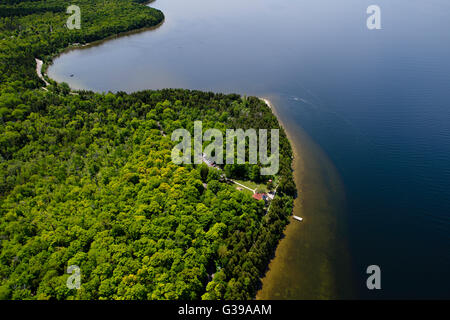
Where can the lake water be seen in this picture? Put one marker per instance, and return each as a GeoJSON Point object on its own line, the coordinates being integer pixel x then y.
{"type": "Point", "coordinates": [367, 110]}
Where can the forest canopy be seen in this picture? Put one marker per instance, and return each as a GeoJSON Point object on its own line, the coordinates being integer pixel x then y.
{"type": "Point", "coordinates": [87, 179]}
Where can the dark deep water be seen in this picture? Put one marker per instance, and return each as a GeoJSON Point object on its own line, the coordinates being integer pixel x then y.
{"type": "Point", "coordinates": [375, 101]}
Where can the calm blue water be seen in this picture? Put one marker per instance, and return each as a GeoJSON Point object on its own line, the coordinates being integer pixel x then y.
{"type": "Point", "coordinates": [376, 101]}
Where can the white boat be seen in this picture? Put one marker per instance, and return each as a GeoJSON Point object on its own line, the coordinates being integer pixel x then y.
{"type": "Point", "coordinates": [298, 218]}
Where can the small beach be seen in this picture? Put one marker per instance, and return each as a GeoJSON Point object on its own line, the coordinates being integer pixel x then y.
{"type": "Point", "coordinates": [39, 64]}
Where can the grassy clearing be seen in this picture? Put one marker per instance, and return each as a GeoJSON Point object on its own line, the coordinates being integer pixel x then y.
{"type": "Point", "coordinates": [252, 185]}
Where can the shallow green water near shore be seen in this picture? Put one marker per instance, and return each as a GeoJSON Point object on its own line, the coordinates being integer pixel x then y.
{"type": "Point", "coordinates": [312, 261]}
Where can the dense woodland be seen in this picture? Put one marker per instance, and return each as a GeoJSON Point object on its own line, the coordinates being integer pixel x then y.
{"type": "Point", "coordinates": [86, 178]}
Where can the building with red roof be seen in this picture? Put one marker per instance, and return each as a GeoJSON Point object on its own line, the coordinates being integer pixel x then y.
{"type": "Point", "coordinates": [260, 196]}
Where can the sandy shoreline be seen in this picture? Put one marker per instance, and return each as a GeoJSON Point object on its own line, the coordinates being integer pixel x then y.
{"type": "Point", "coordinates": [39, 64]}
{"type": "Point", "coordinates": [311, 261]}
{"type": "Point", "coordinates": [269, 281]}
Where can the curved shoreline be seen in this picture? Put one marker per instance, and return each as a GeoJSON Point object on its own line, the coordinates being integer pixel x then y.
{"type": "Point", "coordinates": [271, 279]}
{"type": "Point", "coordinates": [87, 45]}
{"type": "Point", "coordinates": [46, 64]}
